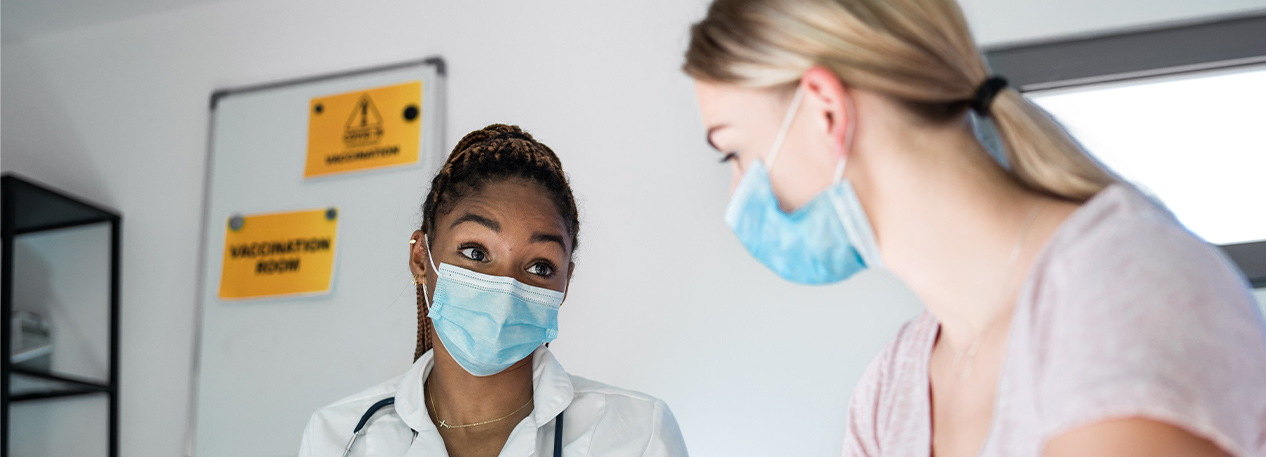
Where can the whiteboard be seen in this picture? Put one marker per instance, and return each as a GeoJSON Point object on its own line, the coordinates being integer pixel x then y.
{"type": "Point", "coordinates": [264, 365]}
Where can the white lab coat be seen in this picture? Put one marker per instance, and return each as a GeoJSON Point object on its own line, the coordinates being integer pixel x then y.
{"type": "Point", "coordinates": [600, 420]}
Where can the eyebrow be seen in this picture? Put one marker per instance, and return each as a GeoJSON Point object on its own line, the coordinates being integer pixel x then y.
{"type": "Point", "coordinates": [481, 220]}
{"type": "Point", "coordinates": [709, 136]}
{"type": "Point", "coordinates": [548, 238]}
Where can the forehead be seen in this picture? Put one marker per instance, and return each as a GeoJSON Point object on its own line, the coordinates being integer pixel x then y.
{"type": "Point", "coordinates": [723, 103]}
{"type": "Point", "coordinates": [516, 203]}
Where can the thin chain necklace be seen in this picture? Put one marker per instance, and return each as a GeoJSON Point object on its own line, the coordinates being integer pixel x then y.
{"type": "Point", "coordinates": [444, 424]}
{"type": "Point", "coordinates": [966, 359]}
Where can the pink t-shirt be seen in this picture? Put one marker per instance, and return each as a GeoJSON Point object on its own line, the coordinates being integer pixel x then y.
{"type": "Point", "coordinates": [1124, 314]}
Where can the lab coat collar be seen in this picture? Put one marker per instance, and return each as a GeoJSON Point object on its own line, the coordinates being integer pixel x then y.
{"type": "Point", "coordinates": [552, 392]}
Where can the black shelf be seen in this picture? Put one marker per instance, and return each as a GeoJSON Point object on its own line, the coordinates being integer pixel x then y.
{"type": "Point", "coordinates": [27, 385]}
{"type": "Point", "coordinates": [28, 207]}
{"type": "Point", "coordinates": [38, 209]}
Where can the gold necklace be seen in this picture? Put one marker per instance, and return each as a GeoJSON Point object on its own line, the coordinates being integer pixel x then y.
{"type": "Point", "coordinates": [444, 424]}
{"type": "Point", "coordinates": [966, 359]}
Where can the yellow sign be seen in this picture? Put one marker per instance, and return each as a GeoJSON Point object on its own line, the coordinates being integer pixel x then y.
{"type": "Point", "coordinates": [363, 130]}
{"type": "Point", "coordinates": [279, 254]}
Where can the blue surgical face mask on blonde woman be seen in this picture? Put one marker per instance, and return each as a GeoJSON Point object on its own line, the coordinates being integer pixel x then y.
{"type": "Point", "coordinates": [1123, 334]}
{"type": "Point", "coordinates": [827, 240]}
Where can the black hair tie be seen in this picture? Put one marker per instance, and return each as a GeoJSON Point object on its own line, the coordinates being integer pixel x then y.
{"type": "Point", "coordinates": [986, 93]}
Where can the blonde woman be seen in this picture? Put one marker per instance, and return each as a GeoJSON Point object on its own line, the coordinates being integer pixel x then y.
{"type": "Point", "coordinates": [1067, 315]}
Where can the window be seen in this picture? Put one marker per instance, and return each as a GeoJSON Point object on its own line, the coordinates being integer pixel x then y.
{"type": "Point", "coordinates": [1180, 112]}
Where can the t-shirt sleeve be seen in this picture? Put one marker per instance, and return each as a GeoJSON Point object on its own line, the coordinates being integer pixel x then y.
{"type": "Point", "coordinates": [861, 436]}
{"type": "Point", "coordinates": [876, 408]}
{"type": "Point", "coordinates": [1149, 321]}
{"type": "Point", "coordinates": [887, 413]}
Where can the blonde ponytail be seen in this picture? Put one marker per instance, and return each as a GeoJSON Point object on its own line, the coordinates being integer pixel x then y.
{"type": "Point", "coordinates": [1042, 155]}
{"type": "Point", "coordinates": [918, 52]}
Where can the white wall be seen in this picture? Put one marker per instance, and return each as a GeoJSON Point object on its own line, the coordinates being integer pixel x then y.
{"type": "Point", "coordinates": [117, 113]}
{"type": "Point", "coordinates": [1011, 21]}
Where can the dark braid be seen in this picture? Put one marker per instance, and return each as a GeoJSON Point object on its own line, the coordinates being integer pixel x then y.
{"type": "Point", "coordinates": [495, 153]}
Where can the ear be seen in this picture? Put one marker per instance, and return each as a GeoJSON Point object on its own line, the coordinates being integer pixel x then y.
{"type": "Point", "coordinates": [418, 264]}
{"type": "Point", "coordinates": [831, 106]}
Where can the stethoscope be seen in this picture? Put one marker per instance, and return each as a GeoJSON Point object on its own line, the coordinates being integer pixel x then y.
{"type": "Point", "coordinates": [558, 427]}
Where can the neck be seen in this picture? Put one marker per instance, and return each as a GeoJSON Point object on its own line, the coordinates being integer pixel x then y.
{"type": "Point", "coordinates": [947, 219]}
{"type": "Point", "coordinates": [462, 398]}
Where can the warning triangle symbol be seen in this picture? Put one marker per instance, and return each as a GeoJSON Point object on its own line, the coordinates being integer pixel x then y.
{"type": "Point", "coordinates": [364, 126]}
{"type": "Point", "coordinates": [365, 114]}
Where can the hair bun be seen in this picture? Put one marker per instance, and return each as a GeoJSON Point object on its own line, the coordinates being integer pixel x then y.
{"type": "Point", "coordinates": [512, 132]}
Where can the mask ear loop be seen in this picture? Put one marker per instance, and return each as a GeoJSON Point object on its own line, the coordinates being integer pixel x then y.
{"type": "Point", "coordinates": [566, 285]}
{"type": "Point", "coordinates": [427, 243]}
{"type": "Point", "coordinates": [782, 131]}
{"type": "Point", "coordinates": [424, 322]}
{"type": "Point", "coordinates": [428, 254]}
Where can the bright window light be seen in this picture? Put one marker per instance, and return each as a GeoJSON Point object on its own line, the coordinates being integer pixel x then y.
{"type": "Point", "coordinates": [1196, 142]}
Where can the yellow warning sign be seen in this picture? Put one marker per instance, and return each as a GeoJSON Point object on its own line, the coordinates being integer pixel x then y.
{"type": "Point", "coordinates": [363, 130]}
{"type": "Point", "coordinates": [279, 254]}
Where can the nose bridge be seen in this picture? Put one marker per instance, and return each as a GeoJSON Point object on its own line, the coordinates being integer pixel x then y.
{"type": "Point", "coordinates": [506, 268]}
{"type": "Point", "coordinates": [511, 266]}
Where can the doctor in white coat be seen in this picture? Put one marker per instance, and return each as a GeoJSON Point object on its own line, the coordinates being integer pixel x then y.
{"type": "Point", "coordinates": [492, 261]}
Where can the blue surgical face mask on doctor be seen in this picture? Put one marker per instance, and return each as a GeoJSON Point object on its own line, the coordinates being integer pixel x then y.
{"type": "Point", "coordinates": [827, 240]}
{"type": "Point", "coordinates": [490, 322]}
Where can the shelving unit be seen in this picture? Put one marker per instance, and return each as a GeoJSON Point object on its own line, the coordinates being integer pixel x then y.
{"type": "Point", "coordinates": [30, 208]}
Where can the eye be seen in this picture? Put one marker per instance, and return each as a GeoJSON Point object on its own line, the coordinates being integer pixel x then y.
{"type": "Point", "coordinates": [542, 269]}
{"type": "Point", "coordinates": [729, 157]}
{"type": "Point", "coordinates": [475, 254]}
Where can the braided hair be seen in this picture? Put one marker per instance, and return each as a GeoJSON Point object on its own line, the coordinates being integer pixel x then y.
{"type": "Point", "coordinates": [492, 154]}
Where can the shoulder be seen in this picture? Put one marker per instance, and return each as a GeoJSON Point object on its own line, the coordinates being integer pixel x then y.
{"type": "Point", "coordinates": [1122, 268]}
{"type": "Point", "coordinates": [358, 402]}
{"type": "Point", "coordinates": [332, 424]}
{"type": "Point", "coordinates": [585, 386]}
{"type": "Point", "coordinates": [626, 418]}
{"type": "Point", "coordinates": [614, 400]}
{"type": "Point", "coordinates": [1122, 240]}
{"type": "Point", "coordinates": [1130, 315]}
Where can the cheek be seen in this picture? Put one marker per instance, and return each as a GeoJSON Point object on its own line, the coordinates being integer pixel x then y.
{"type": "Point", "coordinates": [803, 171]}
